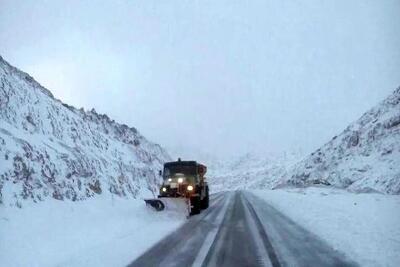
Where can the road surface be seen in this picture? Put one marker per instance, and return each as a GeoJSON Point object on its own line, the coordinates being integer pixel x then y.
{"type": "Point", "coordinates": [240, 229]}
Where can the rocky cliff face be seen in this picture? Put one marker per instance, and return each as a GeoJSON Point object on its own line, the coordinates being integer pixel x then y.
{"type": "Point", "coordinates": [51, 150]}
{"type": "Point", "coordinates": [364, 157]}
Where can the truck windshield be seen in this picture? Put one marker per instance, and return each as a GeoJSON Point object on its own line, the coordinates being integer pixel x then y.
{"type": "Point", "coordinates": [186, 170]}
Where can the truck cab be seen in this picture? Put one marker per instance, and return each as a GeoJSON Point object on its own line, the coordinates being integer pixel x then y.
{"type": "Point", "coordinates": [186, 179]}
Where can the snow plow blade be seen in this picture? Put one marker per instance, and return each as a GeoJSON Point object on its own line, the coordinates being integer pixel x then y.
{"type": "Point", "coordinates": [180, 205]}
{"type": "Point", "coordinates": [155, 203]}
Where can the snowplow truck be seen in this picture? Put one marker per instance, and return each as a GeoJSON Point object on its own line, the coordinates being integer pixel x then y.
{"type": "Point", "coordinates": [184, 188]}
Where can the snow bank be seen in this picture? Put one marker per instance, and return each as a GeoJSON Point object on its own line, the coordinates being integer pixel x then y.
{"type": "Point", "coordinates": [98, 232]}
{"type": "Point", "coordinates": [366, 227]}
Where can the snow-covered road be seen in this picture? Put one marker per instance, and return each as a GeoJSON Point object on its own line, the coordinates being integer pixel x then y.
{"type": "Point", "coordinates": [240, 229]}
{"type": "Point", "coordinates": [248, 228]}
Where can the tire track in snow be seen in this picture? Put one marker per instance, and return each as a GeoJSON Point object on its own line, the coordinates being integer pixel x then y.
{"type": "Point", "coordinates": [179, 248]}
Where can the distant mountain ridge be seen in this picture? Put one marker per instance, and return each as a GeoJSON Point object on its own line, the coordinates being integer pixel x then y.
{"type": "Point", "coordinates": [250, 171]}
{"type": "Point", "coordinates": [365, 157]}
{"type": "Point", "coordinates": [49, 149]}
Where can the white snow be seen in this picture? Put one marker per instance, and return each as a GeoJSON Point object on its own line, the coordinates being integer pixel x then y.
{"type": "Point", "coordinates": [103, 231]}
{"type": "Point", "coordinates": [366, 227]}
{"type": "Point", "coordinates": [249, 171]}
{"type": "Point", "coordinates": [364, 157]}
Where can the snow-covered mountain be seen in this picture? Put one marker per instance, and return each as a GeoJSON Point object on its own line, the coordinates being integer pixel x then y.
{"type": "Point", "coordinates": [250, 171]}
{"type": "Point", "coordinates": [364, 157]}
{"type": "Point", "coordinates": [49, 149]}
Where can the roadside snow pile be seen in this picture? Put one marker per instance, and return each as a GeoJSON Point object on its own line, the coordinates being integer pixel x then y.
{"type": "Point", "coordinates": [365, 157]}
{"type": "Point", "coordinates": [249, 171]}
{"type": "Point", "coordinates": [363, 226]}
{"type": "Point", "coordinates": [51, 150]}
{"type": "Point", "coordinates": [98, 232]}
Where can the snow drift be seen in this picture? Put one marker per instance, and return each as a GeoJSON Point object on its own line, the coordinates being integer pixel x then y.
{"type": "Point", "coordinates": [100, 231]}
{"type": "Point", "coordinates": [365, 226]}
{"type": "Point", "coordinates": [365, 157]}
{"type": "Point", "coordinates": [49, 149]}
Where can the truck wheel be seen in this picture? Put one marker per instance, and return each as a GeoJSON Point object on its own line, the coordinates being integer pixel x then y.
{"type": "Point", "coordinates": [195, 202]}
{"type": "Point", "coordinates": [206, 200]}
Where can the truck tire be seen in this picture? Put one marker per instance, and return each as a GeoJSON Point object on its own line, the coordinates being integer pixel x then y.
{"type": "Point", "coordinates": [206, 200]}
{"type": "Point", "coordinates": [205, 203]}
{"type": "Point", "coordinates": [195, 203]}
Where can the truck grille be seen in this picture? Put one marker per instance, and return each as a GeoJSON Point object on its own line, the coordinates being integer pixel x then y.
{"type": "Point", "coordinates": [175, 192]}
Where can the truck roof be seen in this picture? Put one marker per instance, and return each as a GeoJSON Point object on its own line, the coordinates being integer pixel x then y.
{"type": "Point", "coordinates": [180, 163]}
{"type": "Point", "coordinates": [201, 169]}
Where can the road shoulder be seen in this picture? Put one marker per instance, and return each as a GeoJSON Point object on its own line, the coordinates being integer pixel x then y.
{"type": "Point", "coordinates": [364, 227]}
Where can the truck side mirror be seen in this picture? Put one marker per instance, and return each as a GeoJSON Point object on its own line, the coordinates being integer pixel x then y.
{"type": "Point", "coordinates": [160, 172]}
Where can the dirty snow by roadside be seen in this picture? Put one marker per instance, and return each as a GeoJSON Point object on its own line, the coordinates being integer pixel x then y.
{"type": "Point", "coordinates": [366, 227]}
{"type": "Point", "coordinates": [96, 232]}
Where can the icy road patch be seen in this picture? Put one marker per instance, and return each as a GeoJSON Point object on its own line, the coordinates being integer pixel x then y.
{"type": "Point", "coordinates": [96, 232]}
{"type": "Point", "coordinates": [366, 227]}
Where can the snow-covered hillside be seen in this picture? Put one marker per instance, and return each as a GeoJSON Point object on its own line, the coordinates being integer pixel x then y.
{"type": "Point", "coordinates": [249, 171]}
{"type": "Point", "coordinates": [364, 157]}
{"type": "Point", "coordinates": [52, 150]}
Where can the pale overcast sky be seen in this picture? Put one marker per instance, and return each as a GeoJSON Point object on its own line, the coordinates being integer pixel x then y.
{"type": "Point", "coordinates": [216, 77]}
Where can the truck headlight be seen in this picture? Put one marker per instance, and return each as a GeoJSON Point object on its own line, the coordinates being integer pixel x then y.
{"type": "Point", "coordinates": [169, 180]}
{"type": "Point", "coordinates": [180, 180]}
{"type": "Point", "coordinates": [190, 188]}
{"type": "Point", "coordinates": [164, 189]}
